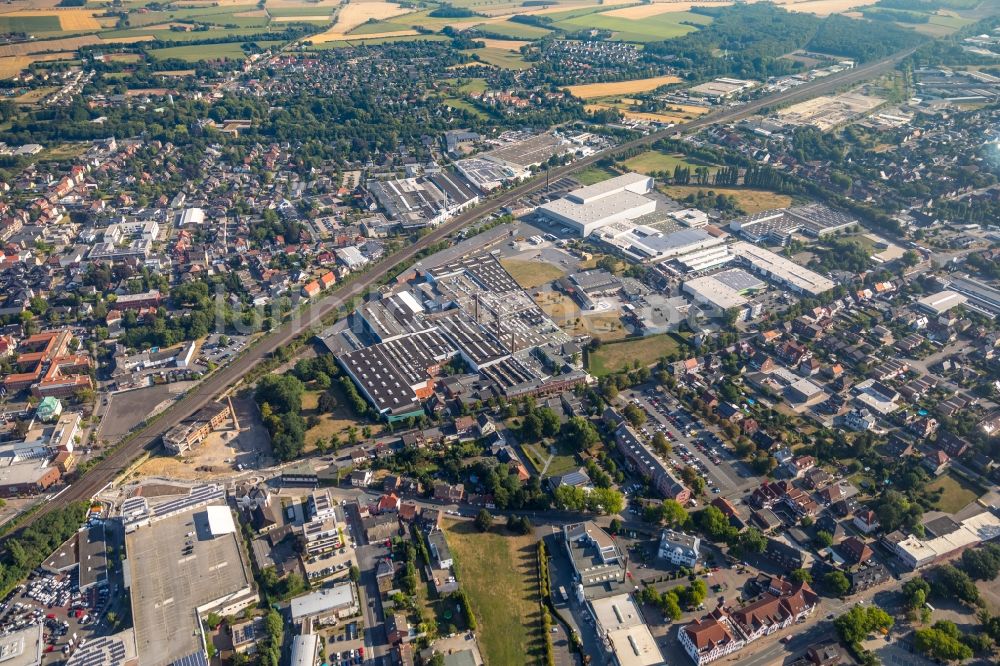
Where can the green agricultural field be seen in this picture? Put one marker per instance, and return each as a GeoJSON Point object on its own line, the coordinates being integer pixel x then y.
{"type": "Point", "coordinates": [31, 25]}
{"type": "Point", "coordinates": [616, 356]}
{"type": "Point", "coordinates": [651, 29]}
{"type": "Point", "coordinates": [178, 36]}
{"type": "Point", "coordinates": [653, 161]}
{"type": "Point", "coordinates": [498, 572]}
{"type": "Point", "coordinates": [228, 51]}
{"type": "Point", "coordinates": [516, 30]}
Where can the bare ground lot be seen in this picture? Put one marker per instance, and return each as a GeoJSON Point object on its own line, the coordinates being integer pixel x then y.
{"type": "Point", "coordinates": [221, 451]}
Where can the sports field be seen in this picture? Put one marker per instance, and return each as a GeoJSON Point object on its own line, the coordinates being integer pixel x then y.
{"type": "Point", "coordinates": [595, 90]}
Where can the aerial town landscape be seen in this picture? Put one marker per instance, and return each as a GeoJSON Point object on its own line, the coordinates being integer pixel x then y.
{"type": "Point", "coordinates": [499, 332]}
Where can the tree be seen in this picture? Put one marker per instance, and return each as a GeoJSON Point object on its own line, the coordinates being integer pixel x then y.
{"type": "Point", "coordinates": [836, 582]}
{"type": "Point", "coordinates": [952, 583]}
{"type": "Point", "coordinates": [824, 539]}
{"type": "Point", "coordinates": [801, 576]}
{"type": "Point", "coordinates": [579, 433]}
{"type": "Point", "coordinates": [673, 513]}
{"type": "Point", "coordinates": [752, 540]}
{"type": "Point", "coordinates": [855, 625]}
{"type": "Point", "coordinates": [605, 500]}
{"type": "Point", "coordinates": [982, 563]}
{"type": "Point", "coordinates": [915, 593]}
{"type": "Point", "coordinates": [941, 642]}
{"type": "Point", "coordinates": [213, 621]}
{"type": "Point", "coordinates": [355, 573]}
{"type": "Point", "coordinates": [661, 444]}
{"type": "Point", "coordinates": [484, 520]}
{"type": "Point", "coordinates": [635, 415]}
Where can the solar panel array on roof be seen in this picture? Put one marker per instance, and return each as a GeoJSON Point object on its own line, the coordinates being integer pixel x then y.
{"type": "Point", "coordinates": [198, 495]}
{"type": "Point", "coordinates": [195, 659]}
{"type": "Point", "coordinates": [103, 651]}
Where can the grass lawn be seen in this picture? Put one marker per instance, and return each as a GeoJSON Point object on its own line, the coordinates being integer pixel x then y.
{"type": "Point", "coordinates": [335, 423]}
{"type": "Point", "coordinates": [615, 356]}
{"type": "Point", "coordinates": [955, 493]}
{"type": "Point", "coordinates": [531, 274]}
{"type": "Point", "coordinates": [563, 461]}
{"type": "Point", "coordinates": [497, 571]}
{"type": "Point", "coordinates": [751, 201]}
{"type": "Point", "coordinates": [516, 30]}
{"type": "Point", "coordinates": [594, 174]}
{"type": "Point", "coordinates": [464, 105]}
{"type": "Point", "coordinates": [652, 161]}
{"type": "Point", "coordinates": [471, 85]}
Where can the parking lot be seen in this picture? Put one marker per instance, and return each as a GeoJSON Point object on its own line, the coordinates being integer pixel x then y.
{"type": "Point", "coordinates": [69, 617]}
{"type": "Point", "coordinates": [692, 443]}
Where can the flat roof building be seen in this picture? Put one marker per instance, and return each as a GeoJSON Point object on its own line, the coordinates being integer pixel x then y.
{"type": "Point", "coordinates": [326, 605]}
{"type": "Point", "coordinates": [941, 302]}
{"type": "Point", "coordinates": [589, 208]}
{"type": "Point", "coordinates": [598, 564]}
{"type": "Point", "coordinates": [783, 271]}
{"type": "Point", "coordinates": [178, 570]}
{"type": "Point", "coordinates": [621, 627]}
{"type": "Point", "coordinates": [23, 647]}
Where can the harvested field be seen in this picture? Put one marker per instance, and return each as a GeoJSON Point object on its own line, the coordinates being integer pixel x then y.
{"type": "Point", "coordinates": [355, 14]}
{"type": "Point", "coordinates": [657, 8]}
{"type": "Point", "coordinates": [70, 20]}
{"type": "Point", "coordinates": [14, 65]}
{"type": "Point", "coordinates": [823, 7]}
{"type": "Point", "coordinates": [503, 44]}
{"type": "Point", "coordinates": [592, 90]}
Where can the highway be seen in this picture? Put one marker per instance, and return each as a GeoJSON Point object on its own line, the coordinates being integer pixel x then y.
{"type": "Point", "coordinates": [211, 387]}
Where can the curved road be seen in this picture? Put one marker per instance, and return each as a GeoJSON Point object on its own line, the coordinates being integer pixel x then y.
{"type": "Point", "coordinates": [206, 391]}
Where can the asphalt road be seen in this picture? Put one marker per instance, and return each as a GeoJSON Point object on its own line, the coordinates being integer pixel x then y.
{"type": "Point", "coordinates": [228, 376]}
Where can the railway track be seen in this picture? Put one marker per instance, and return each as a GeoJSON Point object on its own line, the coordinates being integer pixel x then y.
{"type": "Point", "coordinates": [208, 389]}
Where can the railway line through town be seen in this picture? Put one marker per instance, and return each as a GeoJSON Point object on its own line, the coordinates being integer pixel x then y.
{"type": "Point", "coordinates": [314, 314]}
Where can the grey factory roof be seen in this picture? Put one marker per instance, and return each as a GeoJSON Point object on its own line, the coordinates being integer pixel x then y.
{"type": "Point", "coordinates": [479, 345]}
{"type": "Point", "coordinates": [484, 269]}
{"type": "Point", "coordinates": [389, 371]}
{"type": "Point", "coordinates": [393, 317]}
{"type": "Point", "coordinates": [787, 271]}
{"type": "Point", "coordinates": [532, 151]}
